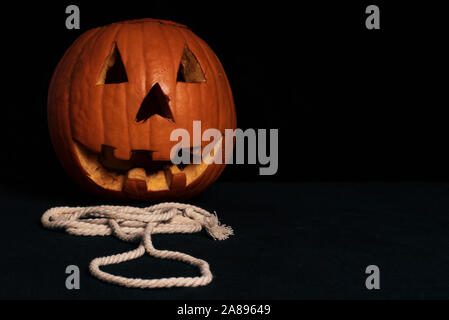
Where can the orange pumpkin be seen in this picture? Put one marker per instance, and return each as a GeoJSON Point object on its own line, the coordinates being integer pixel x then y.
{"type": "Point", "coordinates": [118, 93]}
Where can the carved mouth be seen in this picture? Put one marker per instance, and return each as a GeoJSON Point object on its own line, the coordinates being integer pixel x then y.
{"type": "Point", "coordinates": [137, 175]}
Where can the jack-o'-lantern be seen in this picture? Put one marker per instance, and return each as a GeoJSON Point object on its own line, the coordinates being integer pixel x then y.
{"type": "Point", "coordinates": [116, 96]}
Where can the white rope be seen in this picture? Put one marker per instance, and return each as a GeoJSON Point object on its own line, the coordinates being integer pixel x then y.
{"type": "Point", "coordinates": [138, 224]}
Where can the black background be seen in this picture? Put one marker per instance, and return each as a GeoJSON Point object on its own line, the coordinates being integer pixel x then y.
{"type": "Point", "coordinates": [349, 103]}
{"type": "Point", "coordinates": [362, 156]}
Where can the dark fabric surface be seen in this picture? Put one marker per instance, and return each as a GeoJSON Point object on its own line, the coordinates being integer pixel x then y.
{"type": "Point", "coordinates": [293, 240]}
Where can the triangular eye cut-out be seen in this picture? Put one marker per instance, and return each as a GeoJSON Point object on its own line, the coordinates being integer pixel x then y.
{"type": "Point", "coordinates": [189, 68]}
{"type": "Point", "coordinates": [113, 70]}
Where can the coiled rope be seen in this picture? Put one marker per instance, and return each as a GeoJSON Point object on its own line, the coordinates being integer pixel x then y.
{"type": "Point", "coordinates": [138, 224]}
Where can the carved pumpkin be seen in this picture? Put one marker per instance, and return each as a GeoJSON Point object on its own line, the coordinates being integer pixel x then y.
{"type": "Point", "coordinates": [116, 96]}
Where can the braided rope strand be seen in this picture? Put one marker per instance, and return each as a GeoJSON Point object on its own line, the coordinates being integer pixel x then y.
{"type": "Point", "coordinates": [133, 224]}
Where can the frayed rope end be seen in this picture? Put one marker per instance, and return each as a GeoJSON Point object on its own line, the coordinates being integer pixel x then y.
{"type": "Point", "coordinates": [217, 230]}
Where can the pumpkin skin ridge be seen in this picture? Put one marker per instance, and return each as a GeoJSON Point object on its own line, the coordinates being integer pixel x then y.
{"type": "Point", "coordinates": [215, 62]}
{"type": "Point", "coordinates": [223, 73]}
{"type": "Point", "coordinates": [127, 114]}
{"type": "Point", "coordinates": [188, 34]}
{"type": "Point", "coordinates": [181, 31]}
{"type": "Point", "coordinates": [102, 109]}
{"type": "Point", "coordinates": [58, 122]}
{"type": "Point", "coordinates": [217, 90]}
{"type": "Point", "coordinates": [71, 162]}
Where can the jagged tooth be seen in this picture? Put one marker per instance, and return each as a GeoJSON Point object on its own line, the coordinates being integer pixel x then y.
{"type": "Point", "coordinates": [176, 179]}
{"type": "Point", "coordinates": [137, 173]}
{"type": "Point", "coordinates": [135, 181]}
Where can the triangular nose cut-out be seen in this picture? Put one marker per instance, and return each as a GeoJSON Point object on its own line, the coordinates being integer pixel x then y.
{"type": "Point", "coordinates": [189, 68]}
{"type": "Point", "coordinates": [156, 102]}
{"type": "Point", "coordinates": [113, 70]}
